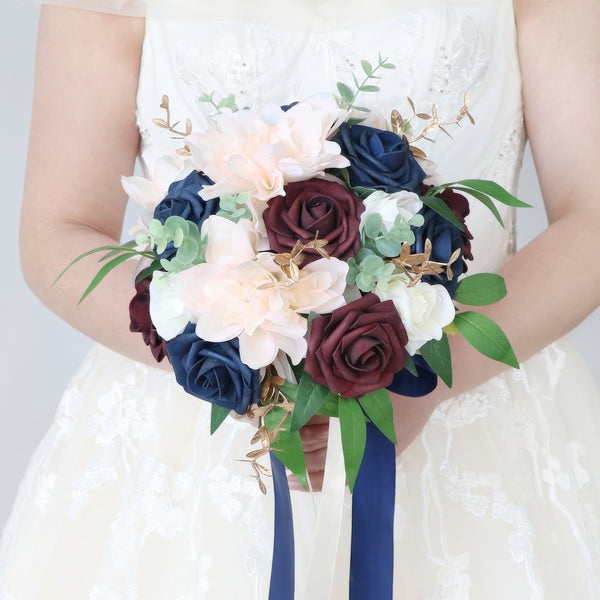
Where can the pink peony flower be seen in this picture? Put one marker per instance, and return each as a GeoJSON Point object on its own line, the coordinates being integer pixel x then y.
{"type": "Point", "coordinates": [258, 153]}
{"type": "Point", "coordinates": [257, 302]}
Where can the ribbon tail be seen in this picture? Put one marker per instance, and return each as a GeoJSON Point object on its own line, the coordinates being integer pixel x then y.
{"type": "Point", "coordinates": [321, 573]}
{"type": "Point", "coordinates": [373, 502]}
{"type": "Point", "coordinates": [282, 569]}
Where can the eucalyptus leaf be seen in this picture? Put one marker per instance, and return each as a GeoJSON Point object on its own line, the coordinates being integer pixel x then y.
{"type": "Point", "coordinates": [437, 355]}
{"type": "Point", "coordinates": [388, 247]}
{"type": "Point", "coordinates": [486, 336]}
{"type": "Point", "coordinates": [217, 415]}
{"type": "Point", "coordinates": [367, 68]}
{"type": "Point", "coordinates": [373, 225]}
{"type": "Point", "coordinates": [354, 437]}
{"type": "Point", "coordinates": [480, 289]}
{"type": "Point", "coordinates": [378, 407]}
{"type": "Point", "coordinates": [345, 92]}
{"type": "Point", "coordinates": [370, 88]}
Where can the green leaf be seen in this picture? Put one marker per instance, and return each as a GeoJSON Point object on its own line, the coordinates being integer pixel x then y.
{"type": "Point", "coordinates": [289, 390]}
{"type": "Point", "coordinates": [330, 408]}
{"type": "Point", "coordinates": [309, 400]}
{"type": "Point", "coordinates": [491, 188]}
{"type": "Point", "coordinates": [354, 121]}
{"type": "Point", "coordinates": [102, 273]}
{"type": "Point", "coordinates": [486, 336]}
{"type": "Point", "coordinates": [369, 88]}
{"type": "Point", "coordinates": [480, 289]}
{"type": "Point", "coordinates": [288, 446]}
{"type": "Point", "coordinates": [373, 225]}
{"type": "Point", "coordinates": [437, 355]}
{"type": "Point", "coordinates": [115, 251]}
{"type": "Point", "coordinates": [388, 247]}
{"type": "Point", "coordinates": [388, 65]}
{"type": "Point", "coordinates": [354, 437]}
{"type": "Point", "coordinates": [345, 92]}
{"type": "Point", "coordinates": [367, 68]}
{"type": "Point", "coordinates": [217, 415]}
{"type": "Point", "coordinates": [440, 207]}
{"type": "Point", "coordinates": [380, 410]}
{"type": "Point", "coordinates": [155, 266]}
{"type": "Point", "coordinates": [409, 365]}
{"type": "Point", "coordinates": [81, 256]}
{"type": "Point", "coordinates": [484, 199]}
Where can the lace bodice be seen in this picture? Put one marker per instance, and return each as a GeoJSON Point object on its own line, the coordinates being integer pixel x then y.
{"type": "Point", "coordinates": [280, 52]}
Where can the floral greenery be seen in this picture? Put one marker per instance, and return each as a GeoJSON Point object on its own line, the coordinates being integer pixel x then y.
{"type": "Point", "coordinates": [185, 237]}
{"type": "Point", "coordinates": [381, 258]}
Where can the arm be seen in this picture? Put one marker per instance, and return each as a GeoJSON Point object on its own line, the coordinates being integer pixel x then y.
{"type": "Point", "coordinates": [554, 282]}
{"type": "Point", "coordinates": [83, 138]}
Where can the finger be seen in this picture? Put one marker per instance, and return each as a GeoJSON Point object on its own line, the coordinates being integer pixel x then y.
{"type": "Point", "coordinates": [314, 437]}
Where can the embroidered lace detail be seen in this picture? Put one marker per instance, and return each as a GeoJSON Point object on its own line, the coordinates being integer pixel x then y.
{"type": "Point", "coordinates": [460, 66]}
{"type": "Point", "coordinates": [226, 71]}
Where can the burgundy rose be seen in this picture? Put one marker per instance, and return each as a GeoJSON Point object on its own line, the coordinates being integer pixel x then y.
{"type": "Point", "coordinates": [311, 207]}
{"type": "Point", "coordinates": [140, 322]}
{"type": "Point", "coordinates": [357, 348]}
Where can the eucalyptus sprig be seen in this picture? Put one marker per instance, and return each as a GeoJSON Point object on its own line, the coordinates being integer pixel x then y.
{"type": "Point", "coordinates": [185, 237]}
{"type": "Point", "coordinates": [348, 96]}
{"type": "Point", "coordinates": [234, 207]}
{"type": "Point", "coordinates": [388, 242]}
{"type": "Point", "coordinates": [227, 102]}
{"type": "Point", "coordinates": [367, 270]}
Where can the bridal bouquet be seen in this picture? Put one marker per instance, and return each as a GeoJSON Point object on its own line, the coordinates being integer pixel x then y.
{"type": "Point", "coordinates": [297, 261]}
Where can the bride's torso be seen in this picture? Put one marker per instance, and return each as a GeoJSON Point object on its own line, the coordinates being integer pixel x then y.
{"type": "Point", "coordinates": [271, 51]}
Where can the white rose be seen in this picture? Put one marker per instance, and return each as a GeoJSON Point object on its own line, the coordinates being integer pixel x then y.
{"type": "Point", "coordinates": [424, 309]}
{"type": "Point", "coordinates": [167, 311]}
{"type": "Point", "coordinates": [389, 206]}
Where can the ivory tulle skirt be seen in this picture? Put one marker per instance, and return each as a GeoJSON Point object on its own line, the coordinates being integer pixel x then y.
{"type": "Point", "coordinates": [129, 497]}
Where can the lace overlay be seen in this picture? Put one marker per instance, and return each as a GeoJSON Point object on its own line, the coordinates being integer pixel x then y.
{"type": "Point", "coordinates": [129, 497]}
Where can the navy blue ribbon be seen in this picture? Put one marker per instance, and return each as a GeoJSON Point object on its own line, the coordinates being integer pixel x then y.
{"type": "Point", "coordinates": [282, 569]}
{"type": "Point", "coordinates": [373, 501]}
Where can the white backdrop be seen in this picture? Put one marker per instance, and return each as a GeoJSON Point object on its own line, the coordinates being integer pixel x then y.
{"type": "Point", "coordinates": [39, 351]}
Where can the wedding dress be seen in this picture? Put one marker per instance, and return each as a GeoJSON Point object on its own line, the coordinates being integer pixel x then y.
{"type": "Point", "coordinates": [128, 496]}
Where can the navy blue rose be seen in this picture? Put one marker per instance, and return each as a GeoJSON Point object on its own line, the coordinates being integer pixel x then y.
{"type": "Point", "coordinates": [213, 371]}
{"type": "Point", "coordinates": [445, 239]}
{"type": "Point", "coordinates": [182, 200]}
{"type": "Point", "coordinates": [379, 159]}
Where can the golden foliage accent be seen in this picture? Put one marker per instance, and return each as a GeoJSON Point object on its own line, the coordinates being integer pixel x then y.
{"type": "Point", "coordinates": [270, 397]}
{"type": "Point", "coordinates": [401, 126]}
{"type": "Point", "coordinates": [415, 266]}
{"type": "Point", "coordinates": [166, 124]}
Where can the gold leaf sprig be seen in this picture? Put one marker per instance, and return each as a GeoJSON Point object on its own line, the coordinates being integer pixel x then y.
{"type": "Point", "coordinates": [166, 124]}
{"type": "Point", "coordinates": [401, 126]}
{"type": "Point", "coordinates": [415, 266]}
{"type": "Point", "coordinates": [291, 262]}
{"type": "Point", "coordinates": [270, 397]}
